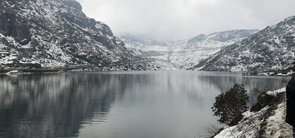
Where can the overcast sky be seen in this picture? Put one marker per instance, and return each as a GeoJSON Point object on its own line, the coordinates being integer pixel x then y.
{"type": "Point", "coordinates": [180, 19]}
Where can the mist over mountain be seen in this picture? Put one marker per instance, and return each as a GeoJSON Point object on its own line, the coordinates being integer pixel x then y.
{"type": "Point", "coordinates": [181, 19]}
{"type": "Point", "coordinates": [183, 54]}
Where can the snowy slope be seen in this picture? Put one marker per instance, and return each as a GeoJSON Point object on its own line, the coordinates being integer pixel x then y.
{"type": "Point", "coordinates": [270, 49]}
{"type": "Point", "coordinates": [183, 54]}
{"type": "Point", "coordinates": [269, 122]}
{"type": "Point", "coordinates": [57, 33]}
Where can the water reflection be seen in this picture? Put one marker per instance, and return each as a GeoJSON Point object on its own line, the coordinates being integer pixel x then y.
{"type": "Point", "coordinates": [223, 82]}
{"type": "Point", "coordinates": [110, 105]}
{"type": "Point", "coordinates": [53, 105]}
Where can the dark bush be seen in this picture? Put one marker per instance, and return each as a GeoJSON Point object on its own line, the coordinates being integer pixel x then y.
{"type": "Point", "coordinates": [230, 105]}
{"type": "Point", "coordinates": [262, 101]}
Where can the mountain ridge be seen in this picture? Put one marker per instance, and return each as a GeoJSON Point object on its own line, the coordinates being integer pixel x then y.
{"type": "Point", "coordinates": [269, 49]}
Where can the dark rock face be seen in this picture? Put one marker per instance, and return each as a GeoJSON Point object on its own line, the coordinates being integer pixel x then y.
{"type": "Point", "coordinates": [290, 117]}
{"type": "Point", "coordinates": [57, 33]}
{"type": "Point", "coordinates": [270, 49]}
{"type": "Point", "coordinates": [11, 26]}
{"type": "Point", "coordinates": [23, 65]}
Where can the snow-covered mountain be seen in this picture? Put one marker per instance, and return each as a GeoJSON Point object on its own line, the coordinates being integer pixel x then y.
{"type": "Point", "coordinates": [57, 33]}
{"type": "Point", "coordinates": [183, 54]}
{"type": "Point", "coordinates": [270, 49]}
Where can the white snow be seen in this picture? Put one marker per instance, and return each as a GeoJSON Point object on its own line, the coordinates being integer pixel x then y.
{"type": "Point", "coordinates": [276, 92]}
{"type": "Point", "coordinates": [248, 127]}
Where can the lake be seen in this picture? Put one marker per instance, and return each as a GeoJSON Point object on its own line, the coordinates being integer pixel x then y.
{"type": "Point", "coordinates": [117, 104]}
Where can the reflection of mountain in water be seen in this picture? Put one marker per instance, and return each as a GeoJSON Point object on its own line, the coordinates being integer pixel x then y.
{"type": "Point", "coordinates": [263, 84]}
{"type": "Point", "coordinates": [224, 83]}
{"type": "Point", "coordinates": [53, 105]}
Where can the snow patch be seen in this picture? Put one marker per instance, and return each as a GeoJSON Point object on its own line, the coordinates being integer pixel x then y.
{"type": "Point", "coordinates": [248, 127]}
{"type": "Point", "coordinates": [276, 92]}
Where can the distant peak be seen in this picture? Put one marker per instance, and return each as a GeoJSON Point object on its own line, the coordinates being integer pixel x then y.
{"type": "Point", "coordinates": [73, 3]}
{"type": "Point", "coordinates": [290, 18]}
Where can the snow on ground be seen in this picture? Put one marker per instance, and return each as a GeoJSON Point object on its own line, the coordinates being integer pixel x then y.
{"type": "Point", "coordinates": [276, 126]}
{"type": "Point", "coordinates": [248, 127]}
{"type": "Point", "coordinates": [276, 92]}
{"type": "Point", "coordinates": [259, 124]}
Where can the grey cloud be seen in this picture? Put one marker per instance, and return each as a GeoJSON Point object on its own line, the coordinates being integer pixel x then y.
{"type": "Point", "coordinates": [178, 19]}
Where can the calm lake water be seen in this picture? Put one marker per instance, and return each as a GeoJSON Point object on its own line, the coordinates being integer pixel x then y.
{"type": "Point", "coordinates": [117, 104]}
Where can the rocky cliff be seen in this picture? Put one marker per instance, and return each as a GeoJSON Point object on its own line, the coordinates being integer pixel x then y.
{"type": "Point", "coordinates": [56, 33]}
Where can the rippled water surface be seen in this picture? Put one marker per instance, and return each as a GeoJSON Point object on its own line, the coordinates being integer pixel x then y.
{"type": "Point", "coordinates": [117, 104]}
